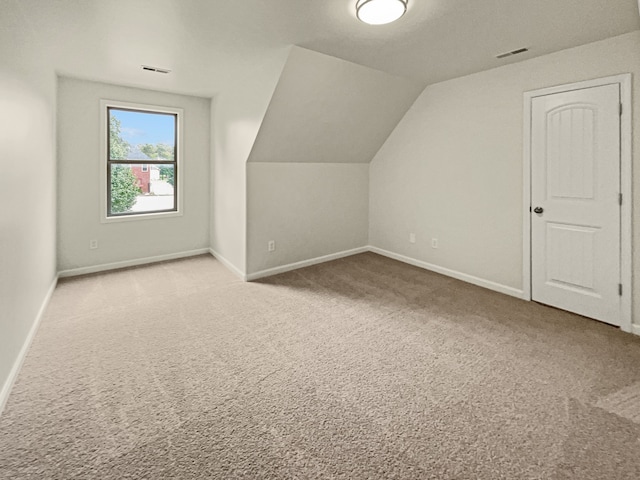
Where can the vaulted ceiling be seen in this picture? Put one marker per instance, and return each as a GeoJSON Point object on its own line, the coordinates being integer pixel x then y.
{"type": "Point", "coordinates": [327, 110]}
{"type": "Point", "coordinates": [209, 44]}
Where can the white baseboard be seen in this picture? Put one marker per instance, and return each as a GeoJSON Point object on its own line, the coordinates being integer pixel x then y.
{"type": "Point", "coordinates": [514, 292]}
{"type": "Point", "coordinates": [635, 329]}
{"type": "Point", "coordinates": [130, 263]}
{"type": "Point", "coordinates": [481, 282]}
{"type": "Point", "coordinates": [17, 364]}
{"type": "Point", "coordinates": [305, 263]}
{"type": "Point", "coordinates": [228, 264]}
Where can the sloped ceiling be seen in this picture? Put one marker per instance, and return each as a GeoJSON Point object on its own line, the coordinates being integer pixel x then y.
{"type": "Point", "coordinates": [327, 110]}
{"type": "Point", "coordinates": [209, 44]}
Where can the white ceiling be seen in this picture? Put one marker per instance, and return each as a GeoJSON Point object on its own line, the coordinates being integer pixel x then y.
{"type": "Point", "coordinates": [210, 43]}
{"type": "Point", "coordinates": [327, 110]}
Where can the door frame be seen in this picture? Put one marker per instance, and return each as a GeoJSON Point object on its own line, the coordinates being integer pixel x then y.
{"type": "Point", "coordinates": [626, 179]}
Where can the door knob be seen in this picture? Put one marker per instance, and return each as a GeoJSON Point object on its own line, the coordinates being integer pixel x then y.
{"type": "Point", "coordinates": [538, 209]}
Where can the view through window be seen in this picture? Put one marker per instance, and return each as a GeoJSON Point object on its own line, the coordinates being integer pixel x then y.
{"type": "Point", "coordinates": [141, 162]}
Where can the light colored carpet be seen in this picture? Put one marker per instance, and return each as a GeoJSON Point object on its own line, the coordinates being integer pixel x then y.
{"type": "Point", "coordinates": [359, 368]}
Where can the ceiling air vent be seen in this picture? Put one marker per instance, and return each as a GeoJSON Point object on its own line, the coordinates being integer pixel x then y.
{"type": "Point", "coordinates": [155, 69]}
{"type": "Point", "coordinates": [513, 52]}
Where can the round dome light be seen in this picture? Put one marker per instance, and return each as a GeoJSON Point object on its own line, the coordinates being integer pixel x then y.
{"type": "Point", "coordinates": [379, 12]}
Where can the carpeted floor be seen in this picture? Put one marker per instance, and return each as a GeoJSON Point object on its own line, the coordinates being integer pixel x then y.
{"type": "Point", "coordinates": [359, 368]}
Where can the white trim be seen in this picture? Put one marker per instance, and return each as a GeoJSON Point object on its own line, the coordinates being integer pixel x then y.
{"type": "Point", "coordinates": [526, 199]}
{"type": "Point", "coordinates": [130, 263]}
{"type": "Point", "coordinates": [103, 161]}
{"type": "Point", "coordinates": [245, 228]}
{"type": "Point", "coordinates": [17, 364]}
{"type": "Point", "coordinates": [635, 329]}
{"type": "Point", "coordinates": [626, 179]}
{"type": "Point", "coordinates": [305, 263]}
{"type": "Point", "coordinates": [140, 216]}
{"type": "Point", "coordinates": [481, 282]}
{"type": "Point", "coordinates": [228, 264]}
{"type": "Point", "coordinates": [626, 214]}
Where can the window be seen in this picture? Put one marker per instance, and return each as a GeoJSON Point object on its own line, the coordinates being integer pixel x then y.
{"type": "Point", "coordinates": [141, 170]}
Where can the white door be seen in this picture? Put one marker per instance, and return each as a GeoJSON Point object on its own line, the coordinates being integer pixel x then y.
{"type": "Point", "coordinates": [575, 186]}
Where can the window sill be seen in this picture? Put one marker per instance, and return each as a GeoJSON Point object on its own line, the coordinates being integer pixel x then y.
{"type": "Point", "coordinates": [140, 216]}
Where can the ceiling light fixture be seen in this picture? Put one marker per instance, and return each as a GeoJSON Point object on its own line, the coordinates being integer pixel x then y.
{"type": "Point", "coordinates": [379, 12]}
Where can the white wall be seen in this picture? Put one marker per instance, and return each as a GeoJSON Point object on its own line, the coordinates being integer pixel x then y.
{"type": "Point", "coordinates": [307, 176]}
{"type": "Point", "coordinates": [452, 169]}
{"type": "Point", "coordinates": [79, 177]}
{"type": "Point", "coordinates": [27, 189]}
{"type": "Point", "coordinates": [236, 116]}
{"type": "Point", "coordinates": [309, 209]}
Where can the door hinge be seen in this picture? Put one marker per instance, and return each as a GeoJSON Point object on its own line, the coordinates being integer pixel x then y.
{"type": "Point", "coordinates": [621, 109]}
{"type": "Point", "coordinates": [620, 289]}
{"type": "Point", "coordinates": [619, 199]}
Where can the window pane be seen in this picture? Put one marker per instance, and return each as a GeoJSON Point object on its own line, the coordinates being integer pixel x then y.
{"type": "Point", "coordinates": [134, 190]}
{"type": "Point", "coordinates": [141, 135]}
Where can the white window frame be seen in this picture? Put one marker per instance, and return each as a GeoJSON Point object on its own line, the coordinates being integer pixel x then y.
{"type": "Point", "coordinates": [104, 139]}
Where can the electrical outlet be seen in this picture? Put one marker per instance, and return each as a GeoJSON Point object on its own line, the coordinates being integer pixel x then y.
{"type": "Point", "coordinates": [271, 246]}
{"type": "Point", "coordinates": [93, 244]}
{"type": "Point", "coordinates": [434, 243]}
{"type": "Point", "coordinates": [412, 238]}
